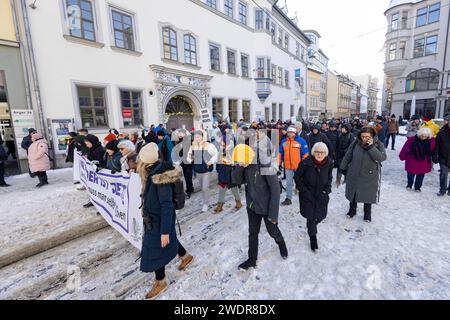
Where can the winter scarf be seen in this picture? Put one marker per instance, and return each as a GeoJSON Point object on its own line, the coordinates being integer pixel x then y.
{"type": "Point", "coordinates": [320, 164]}
{"type": "Point", "coordinates": [421, 149]}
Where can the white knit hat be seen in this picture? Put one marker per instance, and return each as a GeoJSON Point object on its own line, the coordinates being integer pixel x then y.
{"type": "Point", "coordinates": [149, 153]}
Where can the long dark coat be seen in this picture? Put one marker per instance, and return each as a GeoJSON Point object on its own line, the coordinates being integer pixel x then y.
{"type": "Point", "coordinates": [363, 168]}
{"type": "Point", "coordinates": [159, 217]}
{"type": "Point", "coordinates": [314, 185]}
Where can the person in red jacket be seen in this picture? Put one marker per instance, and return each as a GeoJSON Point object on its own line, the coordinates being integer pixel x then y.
{"type": "Point", "coordinates": [293, 150]}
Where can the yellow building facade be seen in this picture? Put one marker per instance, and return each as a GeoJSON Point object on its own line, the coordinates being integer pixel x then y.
{"type": "Point", "coordinates": [313, 93]}
{"type": "Point", "coordinates": [7, 30]}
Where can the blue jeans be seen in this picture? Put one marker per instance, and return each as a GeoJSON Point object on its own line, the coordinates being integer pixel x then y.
{"type": "Point", "coordinates": [290, 183]}
{"type": "Point", "coordinates": [443, 177]}
{"type": "Point", "coordinates": [419, 181]}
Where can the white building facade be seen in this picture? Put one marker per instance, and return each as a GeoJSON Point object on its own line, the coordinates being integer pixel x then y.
{"type": "Point", "coordinates": [319, 61]}
{"type": "Point", "coordinates": [417, 66]}
{"type": "Point", "coordinates": [126, 64]}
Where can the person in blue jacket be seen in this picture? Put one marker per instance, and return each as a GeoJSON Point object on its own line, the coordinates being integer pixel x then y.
{"type": "Point", "coordinates": [160, 244]}
{"type": "Point", "coordinates": [165, 146]}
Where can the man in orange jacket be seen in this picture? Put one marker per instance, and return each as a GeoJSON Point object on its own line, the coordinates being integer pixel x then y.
{"type": "Point", "coordinates": [293, 150]}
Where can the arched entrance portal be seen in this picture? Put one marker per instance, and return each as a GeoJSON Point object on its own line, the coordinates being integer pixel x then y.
{"type": "Point", "coordinates": [180, 113]}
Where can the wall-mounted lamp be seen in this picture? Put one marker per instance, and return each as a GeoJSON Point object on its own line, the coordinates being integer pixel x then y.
{"type": "Point", "coordinates": [33, 5]}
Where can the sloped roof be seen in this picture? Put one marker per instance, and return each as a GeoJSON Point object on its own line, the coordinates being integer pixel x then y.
{"type": "Point", "coordinates": [395, 3]}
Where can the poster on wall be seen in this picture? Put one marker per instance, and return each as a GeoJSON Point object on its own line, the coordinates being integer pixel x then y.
{"type": "Point", "coordinates": [22, 121]}
{"type": "Point", "coordinates": [60, 129]}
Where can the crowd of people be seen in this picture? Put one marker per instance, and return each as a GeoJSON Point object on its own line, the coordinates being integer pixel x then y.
{"type": "Point", "coordinates": [258, 157]}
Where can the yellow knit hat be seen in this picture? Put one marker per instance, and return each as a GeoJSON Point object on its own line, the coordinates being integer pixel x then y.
{"type": "Point", "coordinates": [243, 154]}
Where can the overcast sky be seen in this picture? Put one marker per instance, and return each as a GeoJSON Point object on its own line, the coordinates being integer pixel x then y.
{"type": "Point", "coordinates": [342, 24]}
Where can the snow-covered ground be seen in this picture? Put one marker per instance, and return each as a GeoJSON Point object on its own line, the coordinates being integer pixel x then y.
{"type": "Point", "coordinates": [403, 254]}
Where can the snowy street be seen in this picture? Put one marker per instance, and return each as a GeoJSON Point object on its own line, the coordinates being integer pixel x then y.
{"type": "Point", "coordinates": [59, 250]}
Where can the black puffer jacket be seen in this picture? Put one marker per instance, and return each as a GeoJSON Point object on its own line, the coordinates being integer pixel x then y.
{"type": "Point", "coordinates": [320, 137]}
{"type": "Point", "coordinates": [97, 152]}
{"type": "Point", "coordinates": [343, 143]}
{"type": "Point", "coordinates": [262, 192]}
{"type": "Point", "coordinates": [314, 186]}
{"type": "Point", "coordinates": [443, 146]}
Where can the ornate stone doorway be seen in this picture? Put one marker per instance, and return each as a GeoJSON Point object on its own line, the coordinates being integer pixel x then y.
{"type": "Point", "coordinates": [180, 114]}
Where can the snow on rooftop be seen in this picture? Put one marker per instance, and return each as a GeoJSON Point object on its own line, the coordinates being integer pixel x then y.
{"type": "Point", "coordinates": [395, 3]}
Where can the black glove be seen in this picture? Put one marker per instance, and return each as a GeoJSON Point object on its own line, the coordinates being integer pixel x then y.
{"type": "Point", "coordinates": [113, 171]}
{"type": "Point", "coordinates": [98, 169]}
{"type": "Point", "coordinates": [344, 172]}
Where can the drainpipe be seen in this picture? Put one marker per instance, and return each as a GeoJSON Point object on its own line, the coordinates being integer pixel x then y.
{"type": "Point", "coordinates": [22, 55]}
{"type": "Point", "coordinates": [441, 107]}
{"type": "Point", "coordinates": [34, 75]}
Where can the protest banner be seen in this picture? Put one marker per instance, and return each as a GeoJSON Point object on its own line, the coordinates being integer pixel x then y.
{"type": "Point", "coordinates": [115, 196]}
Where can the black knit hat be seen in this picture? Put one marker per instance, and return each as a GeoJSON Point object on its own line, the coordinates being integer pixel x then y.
{"type": "Point", "coordinates": [92, 139]}
{"type": "Point", "coordinates": [113, 145]}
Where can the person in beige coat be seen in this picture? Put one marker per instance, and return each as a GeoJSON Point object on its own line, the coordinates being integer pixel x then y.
{"type": "Point", "coordinates": [38, 159]}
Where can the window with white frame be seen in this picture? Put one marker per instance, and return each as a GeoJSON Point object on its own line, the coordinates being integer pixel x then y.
{"type": "Point", "coordinates": [80, 14]}
{"type": "Point", "coordinates": [425, 46]}
{"type": "Point", "coordinates": [297, 50]}
{"type": "Point", "coordinates": [448, 80]}
{"type": "Point", "coordinates": [394, 21]}
{"type": "Point", "coordinates": [431, 45]}
{"type": "Point", "coordinates": [260, 67]}
{"type": "Point", "coordinates": [214, 56]}
{"type": "Point", "coordinates": [131, 106]}
{"type": "Point", "coordinates": [268, 65]}
{"type": "Point", "coordinates": [273, 31]}
{"type": "Point", "coordinates": [280, 37]}
{"type": "Point", "coordinates": [434, 13]}
{"type": "Point", "coordinates": [402, 50]}
{"type": "Point", "coordinates": [280, 111]}
{"type": "Point", "coordinates": [123, 30]}
{"type": "Point", "coordinates": [259, 19]}
{"type": "Point", "coordinates": [190, 49]}
{"type": "Point", "coordinates": [392, 51]}
{"type": "Point", "coordinates": [421, 18]}
{"type": "Point", "coordinates": [267, 21]}
{"type": "Point", "coordinates": [170, 44]}
{"type": "Point", "coordinates": [280, 76]}
{"type": "Point", "coordinates": [228, 6]}
{"type": "Point", "coordinates": [246, 110]}
{"type": "Point", "coordinates": [244, 65]}
{"type": "Point", "coordinates": [243, 12]}
{"type": "Point", "coordinates": [212, 3]}
{"type": "Point", "coordinates": [231, 61]}
{"type": "Point", "coordinates": [93, 109]}
{"type": "Point", "coordinates": [286, 41]}
{"type": "Point", "coordinates": [274, 74]}
{"type": "Point", "coordinates": [286, 79]}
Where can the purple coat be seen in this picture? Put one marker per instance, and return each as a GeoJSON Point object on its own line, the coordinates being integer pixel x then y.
{"type": "Point", "coordinates": [412, 165]}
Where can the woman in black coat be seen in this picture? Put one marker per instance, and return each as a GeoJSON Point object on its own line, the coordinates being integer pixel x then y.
{"type": "Point", "coordinates": [160, 245]}
{"type": "Point", "coordinates": [344, 142]}
{"type": "Point", "coordinates": [313, 180]}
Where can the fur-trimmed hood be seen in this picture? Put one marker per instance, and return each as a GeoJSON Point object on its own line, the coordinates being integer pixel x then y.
{"type": "Point", "coordinates": [168, 177]}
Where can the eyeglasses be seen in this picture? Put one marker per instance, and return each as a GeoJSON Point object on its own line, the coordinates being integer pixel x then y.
{"type": "Point", "coordinates": [320, 152]}
{"type": "Point", "coordinates": [121, 149]}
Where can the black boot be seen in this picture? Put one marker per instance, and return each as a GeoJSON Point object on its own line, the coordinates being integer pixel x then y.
{"type": "Point", "coordinates": [314, 244]}
{"type": "Point", "coordinates": [88, 205]}
{"type": "Point", "coordinates": [352, 212]}
{"type": "Point", "coordinates": [249, 264]}
{"type": "Point", "coordinates": [368, 213]}
{"type": "Point", "coordinates": [41, 181]}
{"type": "Point", "coordinates": [283, 250]}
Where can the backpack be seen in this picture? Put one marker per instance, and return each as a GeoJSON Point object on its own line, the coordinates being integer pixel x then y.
{"type": "Point", "coordinates": [179, 197]}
